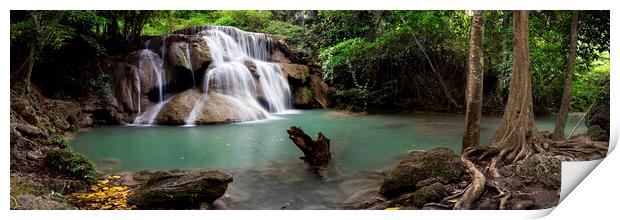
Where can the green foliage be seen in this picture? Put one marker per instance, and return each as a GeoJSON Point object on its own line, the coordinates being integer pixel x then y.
{"type": "Point", "coordinates": [589, 83]}
{"type": "Point", "coordinates": [249, 20]}
{"type": "Point", "coordinates": [73, 164]}
{"type": "Point", "coordinates": [355, 99]}
{"type": "Point", "coordinates": [101, 85]}
{"type": "Point", "coordinates": [343, 63]}
{"type": "Point", "coordinates": [59, 141]}
{"type": "Point", "coordinates": [332, 27]}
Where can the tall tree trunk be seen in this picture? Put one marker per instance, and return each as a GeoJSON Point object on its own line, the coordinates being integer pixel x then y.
{"type": "Point", "coordinates": [517, 135]}
{"type": "Point", "coordinates": [560, 124]}
{"type": "Point", "coordinates": [28, 74]}
{"type": "Point", "coordinates": [473, 112]}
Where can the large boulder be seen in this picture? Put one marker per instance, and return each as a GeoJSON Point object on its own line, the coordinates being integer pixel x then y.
{"type": "Point", "coordinates": [200, 54]}
{"type": "Point", "coordinates": [180, 190]}
{"type": "Point", "coordinates": [177, 109]}
{"type": "Point", "coordinates": [303, 97]}
{"type": "Point", "coordinates": [178, 55]}
{"type": "Point", "coordinates": [321, 91]}
{"type": "Point", "coordinates": [441, 164]}
{"type": "Point", "coordinates": [214, 109]}
{"type": "Point", "coordinates": [136, 77]}
{"type": "Point", "coordinates": [295, 71]}
{"type": "Point", "coordinates": [597, 119]}
{"type": "Point", "coordinates": [219, 108]}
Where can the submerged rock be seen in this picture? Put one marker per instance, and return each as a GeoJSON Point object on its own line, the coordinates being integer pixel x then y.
{"type": "Point", "coordinates": [440, 163]}
{"type": "Point", "coordinates": [180, 190]}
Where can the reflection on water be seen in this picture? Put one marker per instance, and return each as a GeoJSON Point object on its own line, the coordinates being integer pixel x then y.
{"type": "Point", "coordinates": [265, 163]}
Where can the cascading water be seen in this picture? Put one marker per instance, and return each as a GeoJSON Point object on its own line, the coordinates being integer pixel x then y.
{"type": "Point", "coordinates": [232, 51]}
{"type": "Point", "coordinates": [150, 62]}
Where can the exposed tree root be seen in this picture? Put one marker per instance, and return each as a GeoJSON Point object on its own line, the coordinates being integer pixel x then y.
{"type": "Point", "coordinates": [579, 149]}
{"type": "Point", "coordinates": [504, 195]}
{"type": "Point", "coordinates": [474, 190]}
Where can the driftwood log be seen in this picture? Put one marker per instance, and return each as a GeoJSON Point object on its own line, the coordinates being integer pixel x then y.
{"type": "Point", "coordinates": [316, 153]}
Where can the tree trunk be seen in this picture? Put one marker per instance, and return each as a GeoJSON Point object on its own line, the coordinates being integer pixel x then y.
{"type": "Point", "coordinates": [473, 112]}
{"type": "Point", "coordinates": [316, 153]}
{"type": "Point", "coordinates": [560, 124]}
{"type": "Point", "coordinates": [517, 135]}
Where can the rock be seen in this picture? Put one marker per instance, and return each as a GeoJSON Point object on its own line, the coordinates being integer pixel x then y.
{"type": "Point", "coordinates": [143, 175]}
{"type": "Point", "coordinates": [251, 67]}
{"type": "Point", "coordinates": [426, 182]}
{"type": "Point", "coordinates": [85, 120]}
{"type": "Point", "coordinates": [541, 168]}
{"type": "Point", "coordinates": [226, 109]}
{"type": "Point", "coordinates": [431, 193]}
{"type": "Point", "coordinates": [597, 119]}
{"type": "Point", "coordinates": [361, 196]}
{"type": "Point", "coordinates": [237, 195]}
{"type": "Point", "coordinates": [180, 190]}
{"type": "Point", "coordinates": [279, 57]}
{"type": "Point", "coordinates": [32, 202]}
{"type": "Point", "coordinates": [488, 204]}
{"type": "Point", "coordinates": [523, 205]}
{"type": "Point", "coordinates": [217, 205]}
{"type": "Point", "coordinates": [353, 186]}
{"type": "Point", "coordinates": [440, 163]}
{"type": "Point", "coordinates": [216, 109]}
{"type": "Point", "coordinates": [315, 207]}
{"type": "Point", "coordinates": [200, 54]}
{"type": "Point", "coordinates": [597, 133]}
{"type": "Point", "coordinates": [296, 71]}
{"type": "Point", "coordinates": [177, 109]}
{"type": "Point", "coordinates": [303, 97]}
{"type": "Point", "coordinates": [321, 91]}
{"type": "Point", "coordinates": [34, 155]}
{"type": "Point", "coordinates": [30, 131]}
{"type": "Point", "coordinates": [177, 55]}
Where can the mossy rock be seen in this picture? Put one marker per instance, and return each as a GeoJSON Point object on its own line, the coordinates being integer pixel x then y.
{"type": "Point", "coordinates": [431, 193]}
{"type": "Point", "coordinates": [72, 164]}
{"type": "Point", "coordinates": [440, 163]}
{"type": "Point", "coordinates": [541, 168]}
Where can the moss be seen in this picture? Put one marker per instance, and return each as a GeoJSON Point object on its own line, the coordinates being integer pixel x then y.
{"type": "Point", "coordinates": [72, 164]}
{"type": "Point", "coordinates": [181, 58]}
{"type": "Point", "coordinates": [22, 188]}
{"type": "Point", "coordinates": [309, 96]}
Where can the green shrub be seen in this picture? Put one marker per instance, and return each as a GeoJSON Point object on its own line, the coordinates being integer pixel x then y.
{"type": "Point", "coordinates": [59, 141]}
{"type": "Point", "coordinates": [100, 84]}
{"type": "Point", "coordinates": [356, 99]}
{"type": "Point", "coordinates": [73, 164]}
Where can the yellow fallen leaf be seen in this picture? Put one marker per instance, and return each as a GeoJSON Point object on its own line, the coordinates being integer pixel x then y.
{"type": "Point", "coordinates": [393, 208]}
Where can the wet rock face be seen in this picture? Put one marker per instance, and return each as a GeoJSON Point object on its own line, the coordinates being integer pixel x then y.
{"type": "Point", "coordinates": [440, 163]}
{"type": "Point", "coordinates": [180, 190]}
{"type": "Point", "coordinates": [176, 110]}
{"type": "Point", "coordinates": [216, 109]}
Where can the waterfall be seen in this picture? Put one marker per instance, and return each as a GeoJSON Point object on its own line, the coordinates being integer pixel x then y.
{"type": "Point", "coordinates": [150, 62]}
{"type": "Point", "coordinates": [232, 52]}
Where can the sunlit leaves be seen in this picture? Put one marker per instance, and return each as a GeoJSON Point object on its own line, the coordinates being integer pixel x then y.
{"type": "Point", "coordinates": [103, 195]}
